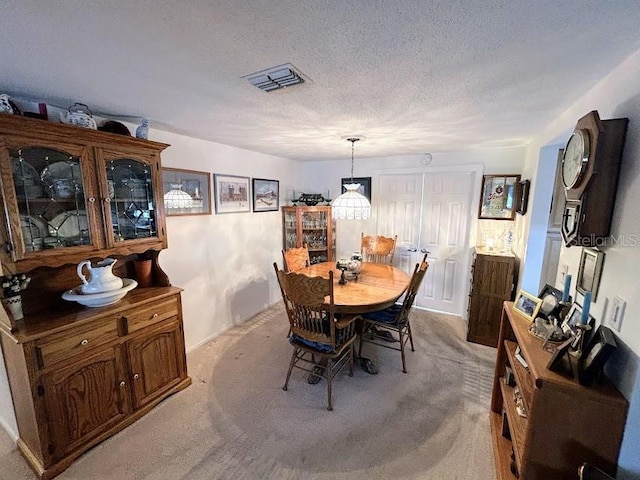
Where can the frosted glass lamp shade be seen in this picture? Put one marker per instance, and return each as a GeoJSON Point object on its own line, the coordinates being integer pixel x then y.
{"type": "Point", "coordinates": [176, 198]}
{"type": "Point", "coordinates": [351, 205]}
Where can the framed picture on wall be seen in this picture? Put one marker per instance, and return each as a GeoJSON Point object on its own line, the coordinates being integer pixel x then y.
{"type": "Point", "coordinates": [523, 196]}
{"type": "Point", "coordinates": [266, 196]}
{"type": "Point", "coordinates": [364, 189]}
{"type": "Point", "coordinates": [186, 192]}
{"type": "Point", "coordinates": [231, 193]}
{"type": "Point", "coordinates": [498, 198]}
{"type": "Point", "coordinates": [589, 272]}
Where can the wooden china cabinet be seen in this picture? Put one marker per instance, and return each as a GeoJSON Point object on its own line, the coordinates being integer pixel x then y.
{"type": "Point", "coordinates": [313, 226]}
{"type": "Point", "coordinates": [78, 375]}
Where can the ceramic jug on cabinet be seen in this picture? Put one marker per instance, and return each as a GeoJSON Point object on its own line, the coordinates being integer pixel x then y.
{"type": "Point", "coordinates": [101, 277]}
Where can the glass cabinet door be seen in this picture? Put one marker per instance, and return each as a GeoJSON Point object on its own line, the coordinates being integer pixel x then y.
{"type": "Point", "coordinates": [315, 235]}
{"type": "Point", "coordinates": [290, 230]}
{"type": "Point", "coordinates": [51, 200]}
{"type": "Point", "coordinates": [130, 192]}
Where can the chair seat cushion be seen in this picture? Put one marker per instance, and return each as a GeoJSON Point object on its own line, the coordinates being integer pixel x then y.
{"type": "Point", "coordinates": [388, 315]}
{"type": "Point", "coordinates": [320, 347]}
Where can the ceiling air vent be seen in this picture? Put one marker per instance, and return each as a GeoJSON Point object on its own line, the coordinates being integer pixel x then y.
{"type": "Point", "coordinates": [276, 78]}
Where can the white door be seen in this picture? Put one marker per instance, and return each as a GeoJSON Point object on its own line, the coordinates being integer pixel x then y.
{"type": "Point", "coordinates": [445, 233]}
{"type": "Point", "coordinates": [430, 212]}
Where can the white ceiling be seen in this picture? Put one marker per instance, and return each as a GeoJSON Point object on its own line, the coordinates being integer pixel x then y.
{"type": "Point", "coordinates": [413, 76]}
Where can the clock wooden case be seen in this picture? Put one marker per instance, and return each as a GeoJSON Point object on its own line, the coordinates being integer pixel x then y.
{"type": "Point", "coordinates": [590, 169]}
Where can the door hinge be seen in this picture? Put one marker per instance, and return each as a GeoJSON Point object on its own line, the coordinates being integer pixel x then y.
{"type": "Point", "coordinates": [40, 390]}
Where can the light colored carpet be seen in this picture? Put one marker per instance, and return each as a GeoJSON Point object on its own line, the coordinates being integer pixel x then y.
{"type": "Point", "coordinates": [236, 422]}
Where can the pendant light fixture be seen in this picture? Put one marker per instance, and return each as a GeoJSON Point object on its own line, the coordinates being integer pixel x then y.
{"type": "Point", "coordinates": [351, 205]}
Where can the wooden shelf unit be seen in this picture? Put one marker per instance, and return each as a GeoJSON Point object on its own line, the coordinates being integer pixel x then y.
{"type": "Point", "coordinates": [566, 424]}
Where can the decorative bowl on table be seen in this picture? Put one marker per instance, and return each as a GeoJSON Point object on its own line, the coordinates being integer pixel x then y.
{"type": "Point", "coordinates": [100, 299]}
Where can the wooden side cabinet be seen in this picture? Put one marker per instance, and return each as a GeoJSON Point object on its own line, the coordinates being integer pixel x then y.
{"type": "Point", "coordinates": [80, 376]}
{"type": "Point", "coordinates": [566, 424]}
{"type": "Point", "coordinates": [311, 226]}
{"type": "Point", "coordinates": [492, 282]}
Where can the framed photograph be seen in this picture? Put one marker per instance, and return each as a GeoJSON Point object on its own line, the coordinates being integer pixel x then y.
{"type": "Point", "coordinates": [365, 185]}
{"type": "Point", "coordinates": [523, 196]}
{"type": "Point", "coordinates": [589, 272]}
{"type": "Point", "coordinates": [527, 305]}
{"type": "Point", "coordinates": [560, 351]}
{"type": "Point", "coordinates": [572, 319]}
{"type": "Point", "coordinates": [601, 345]}
{"type": "Point", "coordinates": [551, 298]}
{"type": "Point", "coordinates": [231, 193]}
{"type": "Point", "coordinates": [186, 192]}
{"type": "Point", "coordinates": [499, 197]}
{"type": "Point", "coordinates": [266, 195]}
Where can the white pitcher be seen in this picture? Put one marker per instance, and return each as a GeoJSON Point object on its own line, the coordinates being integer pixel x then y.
{"type": "Point", "coordinates": [101, 278]}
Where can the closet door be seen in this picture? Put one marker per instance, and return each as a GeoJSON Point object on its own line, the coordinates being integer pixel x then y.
{"type": "Point", "coordinates": [430, 212]}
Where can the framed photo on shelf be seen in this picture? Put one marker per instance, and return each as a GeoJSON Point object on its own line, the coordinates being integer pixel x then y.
{"type": "Point", "coordinates": [601, 345]}
{"type": "Point", "coordinates": [589, 272]}
{"type": "Point", "coordinates": [523, 196]}
{"type": "Point", "coordinates": [560, 351]}
{"type": "Point", "coordinates": [572, 319]}
{"type": "Point", "coordinates": [551, 298]}
{"type": "Point", "coordinates": [186, 192]}
{"type": "Point", "coordinates": [498, 198]}
{"type": "Point", "coordinates": [231, 193]}
{"type": "Point", "coordinates": [266, 195]}
{"type": "Point", "coordinates": [364, 189]}
{"type": "Point", "coordinates": [527, 305]}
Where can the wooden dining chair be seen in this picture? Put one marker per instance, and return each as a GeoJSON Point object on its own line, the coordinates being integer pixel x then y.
{"type": "Point", "coordinates": [296, 258]}
{"type": "Point", "coordinates": [380, 325]}
{"type": "Point", "coordinates": [377, 248]}
{"type": "Point", "coordinates": [323, 343]}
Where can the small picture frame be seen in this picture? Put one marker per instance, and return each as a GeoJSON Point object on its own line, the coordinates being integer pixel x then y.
{"type": "Point", "coordinates": [561, 350]}
{"type": "Point", "coordinates": [231, 193]}
{"type": "Point", "coordinates": [589, 272]}
{"type": "Point", "coordinates": [551, 298]}
{"type": "Point", "coordinates": [601, 345]}
{"type": "Point", "coordinates": [523, 196]}
{"type": "Point", "coordinates": [266, 195]}
{"type": "Point", "coordinates": [186, 192]}
{"type": "Point", "coordinates": [571, 319]}
{"type": "Point", "coordinates": [364, 189]}
{"type": "Point", "coordinates": [499, 197]}
{"type": "Point", "coordinates": [527, 305]}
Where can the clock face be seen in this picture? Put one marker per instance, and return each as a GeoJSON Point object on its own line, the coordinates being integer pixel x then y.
{"type": "Point", "coordinates": [576, 158]}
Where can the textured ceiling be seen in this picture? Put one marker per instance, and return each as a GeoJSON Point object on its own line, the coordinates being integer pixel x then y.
{"type": "Point", "coordinates": [412, 76]}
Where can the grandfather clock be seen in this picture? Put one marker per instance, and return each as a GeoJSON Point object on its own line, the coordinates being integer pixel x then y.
{"type": "Point", "coordinates": [590, 168]}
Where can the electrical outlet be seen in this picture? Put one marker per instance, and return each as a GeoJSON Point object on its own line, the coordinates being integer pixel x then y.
{"type": "Point", "coordinates": [617, 313]}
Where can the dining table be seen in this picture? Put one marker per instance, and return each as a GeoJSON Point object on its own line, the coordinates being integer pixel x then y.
{"type": "Point", "coordinates": [376, 287]}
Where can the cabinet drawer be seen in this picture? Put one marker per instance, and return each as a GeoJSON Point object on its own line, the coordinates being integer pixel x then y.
{"type": "Point", "coordinates": [150, 314]}
{"type": "Point", "coordinates": [61, 346]}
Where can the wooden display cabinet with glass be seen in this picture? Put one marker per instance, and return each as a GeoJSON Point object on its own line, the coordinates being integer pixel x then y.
{"type": "Point", "coordinates": [313, 226]}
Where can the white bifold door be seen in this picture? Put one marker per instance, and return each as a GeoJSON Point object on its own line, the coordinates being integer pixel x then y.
{"type": "Point", "coordinates": [430, 212]}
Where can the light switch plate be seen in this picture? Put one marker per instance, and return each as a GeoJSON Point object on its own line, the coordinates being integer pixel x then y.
{"type": "Point", "coordinates": [617, 313]}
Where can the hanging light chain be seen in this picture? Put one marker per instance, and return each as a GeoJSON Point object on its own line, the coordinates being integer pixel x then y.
{"type": "Point", "coordinates": [353, 142]}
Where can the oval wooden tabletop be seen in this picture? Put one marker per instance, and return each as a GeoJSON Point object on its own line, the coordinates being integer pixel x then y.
{"type": "Point", "coordinates": [378, 286]}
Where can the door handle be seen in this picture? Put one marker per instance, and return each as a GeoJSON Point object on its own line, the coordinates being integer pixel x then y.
{"type": "Point", "coordinates": [412, 249]}
{"type": "Point", "coordinates": [424, 250]}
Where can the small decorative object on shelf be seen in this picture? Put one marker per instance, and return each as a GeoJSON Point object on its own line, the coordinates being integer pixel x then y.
{"type": "Point", "coordinates": [5, 104]}
{"type": "Point", "coordinates": [101, 277]}
{"type": "Point", "coordinates": [143, 129]}
{"type": "Point", "coordinates": [79, 115]}
{"type": "Point", "coordinates": [12, 285]}
{"type": "Point", "coordinates": [311, 199]}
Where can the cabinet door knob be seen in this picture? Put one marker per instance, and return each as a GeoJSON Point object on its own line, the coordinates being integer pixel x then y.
{"type": "Point", "coordinates": [155, 315]}
{"type": "Point", "coordinates": [91, 199]}
{"type": "Point", "coordinates": [84, 342]}
{"type": "Point", "coordinates": [122, 384]}
{"type": "Point", "coordinates": [107, 200]}
{"type": "Point", "coordinates": [136, 376]}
